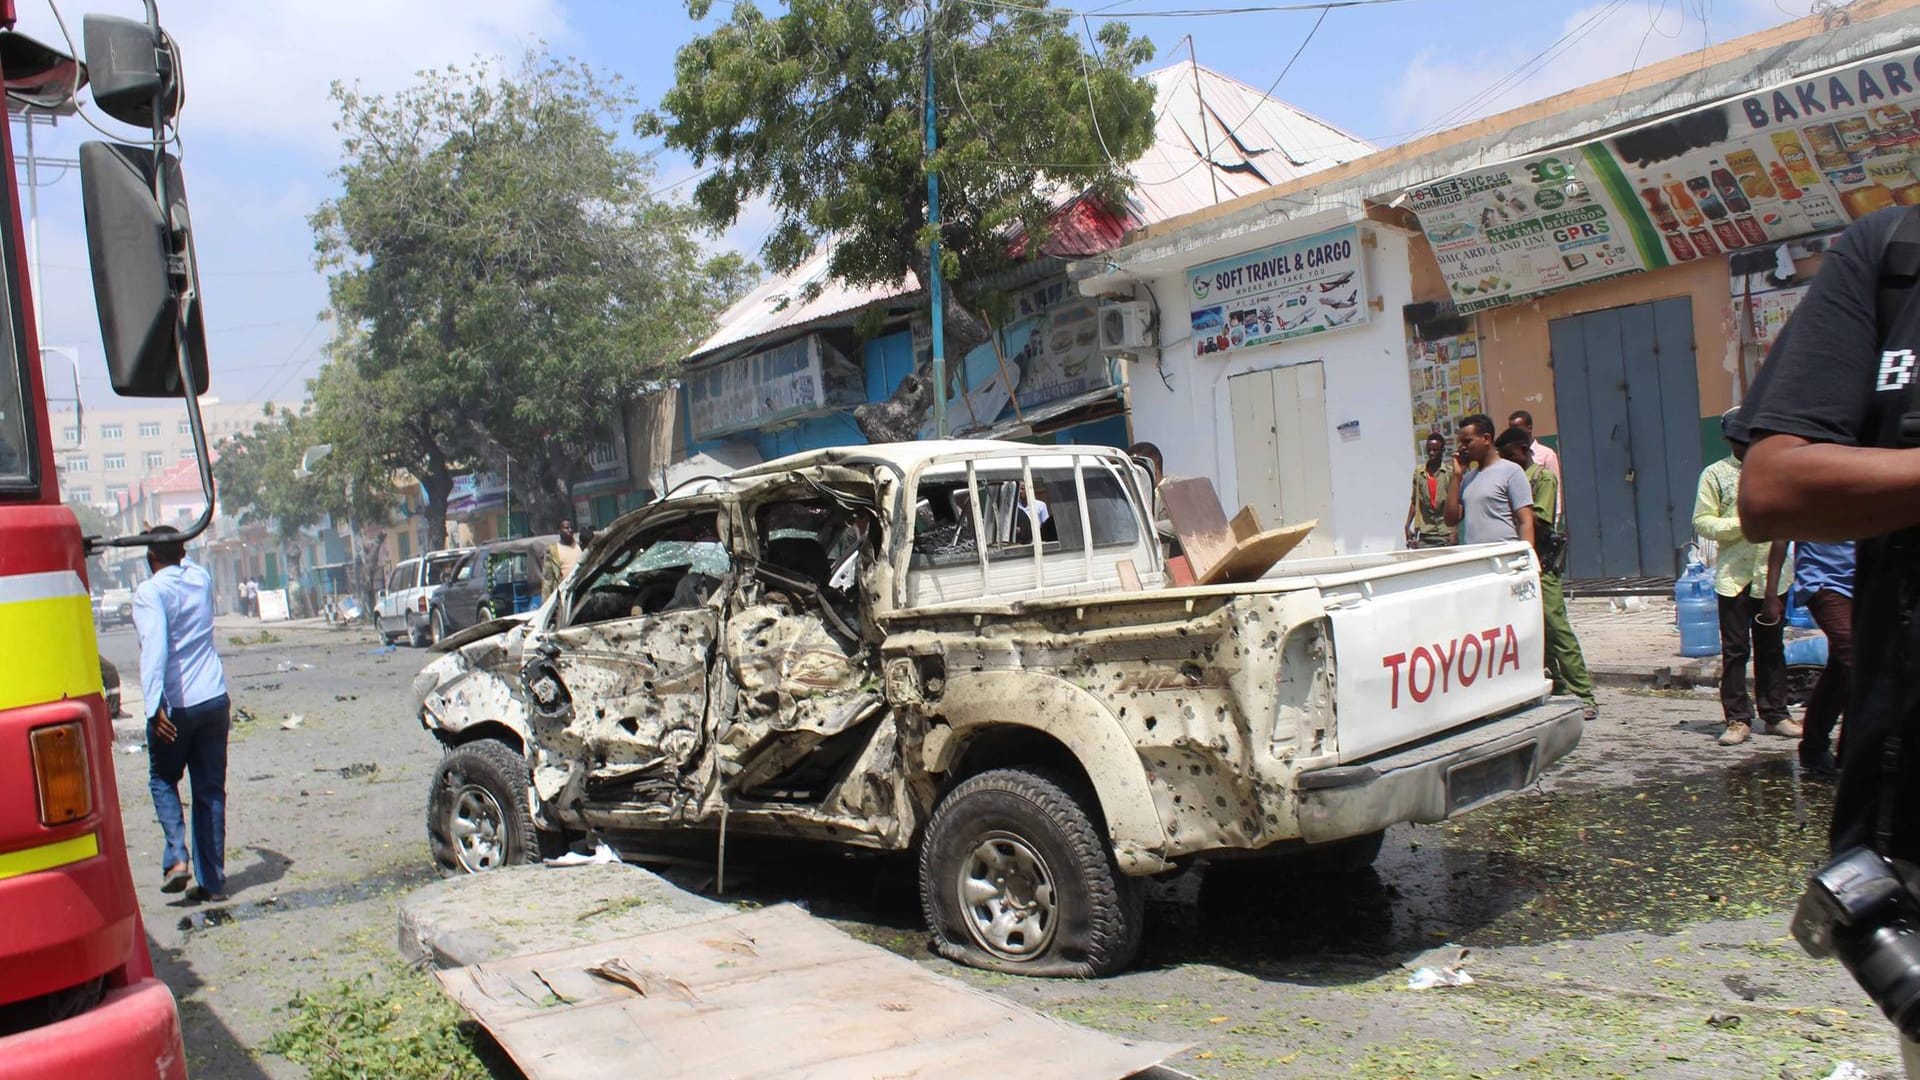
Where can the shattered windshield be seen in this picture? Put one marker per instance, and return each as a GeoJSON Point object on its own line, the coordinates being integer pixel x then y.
{"type": "Point", "coordinates": [700, 556]}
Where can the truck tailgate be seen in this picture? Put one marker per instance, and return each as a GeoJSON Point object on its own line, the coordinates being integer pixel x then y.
{"type": "Point", "coordinates": [1424, 646]}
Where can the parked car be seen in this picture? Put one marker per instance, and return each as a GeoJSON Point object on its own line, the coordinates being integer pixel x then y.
{"type": "Point", "coordinates": [115, 608]}
{"type": "Point", "coordinates": [890, 647]}
{"type": "Point", "coordinates": [495, 579]}
{"type": "Point", "coordinates": [404, 608]}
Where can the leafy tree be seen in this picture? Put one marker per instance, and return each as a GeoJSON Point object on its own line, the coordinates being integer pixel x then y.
{"type": "Point", "coordinates": [94, 521]}
{"type": "Point", "coordinates": [257, 479]}
{"type": "Point", "coordinates": [819, 111]}
{"type": "Point", "coordinates": [514, 280]}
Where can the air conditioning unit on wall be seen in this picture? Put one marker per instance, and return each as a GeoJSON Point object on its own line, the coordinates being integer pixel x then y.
{"type": "Point", "coordinates": [1126, 326]}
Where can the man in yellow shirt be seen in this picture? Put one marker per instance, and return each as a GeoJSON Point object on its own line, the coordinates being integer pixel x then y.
{"type": "Point", "coordinates": [562, 556]}
{"type": "Point", "coordinates": [1752, 601]}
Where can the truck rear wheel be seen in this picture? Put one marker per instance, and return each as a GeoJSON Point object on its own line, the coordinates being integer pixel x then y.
{"type": "Point", "coordinates": [1015, 877]}
{"type": "Point", "coordinates": [477, 813]}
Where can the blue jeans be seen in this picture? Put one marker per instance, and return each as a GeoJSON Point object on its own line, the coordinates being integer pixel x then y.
{"type": "Point", "coordinates": [198, 749]}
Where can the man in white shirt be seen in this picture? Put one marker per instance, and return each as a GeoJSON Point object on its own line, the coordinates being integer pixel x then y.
{"type": "Point", "coordinates": [185, 690]}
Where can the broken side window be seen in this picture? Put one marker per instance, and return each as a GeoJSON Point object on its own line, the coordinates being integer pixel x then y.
{"type": "Point", "coordinates": [1048, 522]}
{"type": "Point", "coordinates": [674, 565]}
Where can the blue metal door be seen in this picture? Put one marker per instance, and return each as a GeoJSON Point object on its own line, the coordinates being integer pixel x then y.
{"type": "Point", "coordinates": [1628, 403]}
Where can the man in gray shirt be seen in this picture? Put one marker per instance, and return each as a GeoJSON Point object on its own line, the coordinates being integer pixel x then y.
{"type": "Point", "coordinates": [1493, 501]}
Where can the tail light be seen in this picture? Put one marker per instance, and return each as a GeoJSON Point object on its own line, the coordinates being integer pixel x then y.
{"type": "Point", "coordinates": [60, 771]}
{"type": "Point", "coordinates": [423, 605]}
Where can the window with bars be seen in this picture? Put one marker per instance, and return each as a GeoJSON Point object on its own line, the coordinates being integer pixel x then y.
{"type": "Point", "coordinates": [114, 462]}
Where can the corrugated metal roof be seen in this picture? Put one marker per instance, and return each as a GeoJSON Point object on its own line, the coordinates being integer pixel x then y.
{"type": "Point", "coordinates": [1256, 141]}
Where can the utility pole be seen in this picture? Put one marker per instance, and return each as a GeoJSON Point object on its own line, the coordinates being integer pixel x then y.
{"type": "Point", "coordinates": [935, 299]}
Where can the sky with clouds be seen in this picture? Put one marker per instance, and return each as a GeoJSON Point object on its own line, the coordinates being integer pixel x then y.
{"type": "Point", "coordinates": [260, 147]}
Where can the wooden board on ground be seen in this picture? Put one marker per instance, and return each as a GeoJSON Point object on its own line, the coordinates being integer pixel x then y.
{"type": "Point", "coordinates": [1194, 509]}
{"type": "Point", "coordinates": [769, 993]}
{"type": "Point", "coordinates": [1255, 556]}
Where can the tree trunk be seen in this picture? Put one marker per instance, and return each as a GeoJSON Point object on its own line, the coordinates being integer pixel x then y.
{"type": "Point", "coordinates": [438, 484]}
{"type": "Point", "coordinates": [901, 416]}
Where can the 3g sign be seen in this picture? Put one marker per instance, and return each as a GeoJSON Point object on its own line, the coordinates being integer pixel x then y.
{"type": "Point", "coordinates": [1548, 171]}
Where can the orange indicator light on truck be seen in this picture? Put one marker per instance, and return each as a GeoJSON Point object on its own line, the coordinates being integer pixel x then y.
{"type": "Point", "coordinates": [60, 769]}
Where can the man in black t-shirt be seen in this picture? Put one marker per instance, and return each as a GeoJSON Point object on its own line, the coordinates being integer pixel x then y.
{"type": "Point", "coordinates": [1823, 420]}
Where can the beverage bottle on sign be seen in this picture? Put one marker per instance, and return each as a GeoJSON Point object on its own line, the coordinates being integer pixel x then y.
{"type": "Point", "coordinates": [1736, 199]}
{"type": "Point", "coordinates": [1702, 191]}
{"type": "Point", "coordinates": [1794, 156]}
{"type": "Point", "coordinates": [1669, 224]}
{"type": "Point", "coordinates": [1683, 204]}
{"type": "Point", "coordinates": [1783, 181]}
{"type": "Point", "coordinates": [1729, 189]}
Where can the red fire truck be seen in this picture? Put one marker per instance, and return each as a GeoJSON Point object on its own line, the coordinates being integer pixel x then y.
{"type": "Point", "coordinates": [78, 997]}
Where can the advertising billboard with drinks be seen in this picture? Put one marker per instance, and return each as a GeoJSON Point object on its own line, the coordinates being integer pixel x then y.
{"type": "Point", "coordinates": [1795, 159]}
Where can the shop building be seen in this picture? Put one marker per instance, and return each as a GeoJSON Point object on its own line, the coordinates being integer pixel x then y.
{"type": "Point", "coordinates": [1613, 260]}
{"type": "Point", "coordinates": [786, 365]}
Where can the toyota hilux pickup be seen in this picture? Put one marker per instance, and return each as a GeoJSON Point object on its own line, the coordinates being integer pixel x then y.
{"type": "Point", "coordinates": [972, 650]}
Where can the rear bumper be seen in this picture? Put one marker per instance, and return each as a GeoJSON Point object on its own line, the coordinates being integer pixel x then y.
{"type": "Point", "coordinates": [1436, 780]}
{"type": "Point", "coordinates": [134, 1032]}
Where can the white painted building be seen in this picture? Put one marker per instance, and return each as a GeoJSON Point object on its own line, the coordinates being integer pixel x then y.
{"type": "Point", "coordinates": [1313, 426]}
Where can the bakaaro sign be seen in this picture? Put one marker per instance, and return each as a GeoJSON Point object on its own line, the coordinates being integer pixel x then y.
{"type": "Point", "coordinates": [1797, 158]}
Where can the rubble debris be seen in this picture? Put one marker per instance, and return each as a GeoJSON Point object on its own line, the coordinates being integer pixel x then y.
{"type": "Point", "coordinates": [1724, 1021]}
{"type": "Point", "coordinates": [358, 768]}
{"type": "Point", "coordinates": [1427, 978]}
{"type": "Point", "coordinates": [293, 720]}
{"type": "Point", "coordinates": [1847, 1070]}
{"type": "Point", "coordinates": [599, 856]}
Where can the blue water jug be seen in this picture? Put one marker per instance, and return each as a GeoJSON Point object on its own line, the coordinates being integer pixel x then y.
{"type": "Point", "coordinates": [1810, 650]}
{"type": "Point", "coordinates": [1699, 612]}
{"type": "Point", "coordinates": [1797, 613]}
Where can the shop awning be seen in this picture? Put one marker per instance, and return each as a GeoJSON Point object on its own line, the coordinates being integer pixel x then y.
{"type": "Point", "coordinates": [1054, 415]}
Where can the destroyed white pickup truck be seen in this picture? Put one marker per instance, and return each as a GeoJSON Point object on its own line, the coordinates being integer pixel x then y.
{"type": "Point", "coordinates": [971, 648]}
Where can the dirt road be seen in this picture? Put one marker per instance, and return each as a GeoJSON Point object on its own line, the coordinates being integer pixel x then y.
{"type": "Point", "coordinates": [1627, 919]}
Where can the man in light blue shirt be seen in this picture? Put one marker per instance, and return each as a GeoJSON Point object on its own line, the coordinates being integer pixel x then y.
{"type": "Point", "coordinates": [185, 690]}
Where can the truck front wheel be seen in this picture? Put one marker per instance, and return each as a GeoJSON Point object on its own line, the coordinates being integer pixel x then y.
{"type": "Point", "coordinates": [477, 814]}
{"type": "Point", "coordinates": [1015, 877]}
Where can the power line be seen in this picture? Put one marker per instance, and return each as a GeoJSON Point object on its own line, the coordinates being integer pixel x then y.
{"type": "Point", "coordinates": [1526, 70]}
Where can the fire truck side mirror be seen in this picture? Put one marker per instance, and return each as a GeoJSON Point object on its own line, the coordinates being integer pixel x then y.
{"type": "Point", "coordinates": [132, 69]}
{"type": "Point", "coordinates": [143, 271]}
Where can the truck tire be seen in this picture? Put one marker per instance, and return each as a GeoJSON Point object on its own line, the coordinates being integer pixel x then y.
{"type": "Point", "coordinates": [416, 636]}
{"type": "Point", "coordinates": [1015, 877]}
{"type": "Point", "coordinates": [477, 813]}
